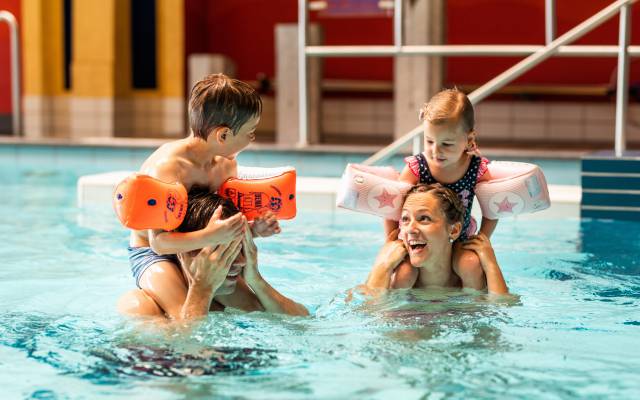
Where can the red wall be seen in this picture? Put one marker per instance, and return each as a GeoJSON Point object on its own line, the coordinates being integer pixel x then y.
{"type": "Point", "coordinates": [12, 6]}
{"type": "Point", "coordinates": [243, 30]}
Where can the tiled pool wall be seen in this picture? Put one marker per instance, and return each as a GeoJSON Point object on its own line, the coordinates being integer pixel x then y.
{"type": "Point", "coordinates": [74, 161]}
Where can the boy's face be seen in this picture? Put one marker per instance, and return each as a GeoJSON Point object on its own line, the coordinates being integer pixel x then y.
{"type": "Point", "coordinates": [234, 144]}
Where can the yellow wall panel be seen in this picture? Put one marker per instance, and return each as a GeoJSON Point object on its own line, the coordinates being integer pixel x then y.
{"type": "Point", "coordinates": [43, 45]}
{"type": "Point", "coordinates": [170, 42]}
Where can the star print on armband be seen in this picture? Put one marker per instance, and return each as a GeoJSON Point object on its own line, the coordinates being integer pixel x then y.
{"type": "Point", "coordinates": [385, 199]}
{"type": "Point", "coordinates": [505, 206]}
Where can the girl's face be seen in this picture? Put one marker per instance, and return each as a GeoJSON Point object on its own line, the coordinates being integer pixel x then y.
{"type": "Point", "coordinates": [424, 229]}
{"type": "Point", "coordinates": [444, 144]}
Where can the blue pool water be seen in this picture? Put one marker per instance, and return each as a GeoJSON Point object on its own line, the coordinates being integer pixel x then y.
{"type": "Point", "coordinates": [571, 331]}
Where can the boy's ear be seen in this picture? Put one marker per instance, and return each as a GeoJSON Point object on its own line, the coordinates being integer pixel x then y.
{"type": "Point", "coordinates": [222, 133]}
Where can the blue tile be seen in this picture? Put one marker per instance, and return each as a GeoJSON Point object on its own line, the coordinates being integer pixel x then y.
{"type": "Point", "coordinates": [611, 166]}
{"type": "Point", "coordinates": [610, 182]}
{"type": "Point", "coordinates": [610, 214]}
{"type": "Point", "coordinates": [609, 199]}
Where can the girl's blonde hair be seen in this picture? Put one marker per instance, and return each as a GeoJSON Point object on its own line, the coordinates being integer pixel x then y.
{"type": "Point", "coordinates": [449, 105]}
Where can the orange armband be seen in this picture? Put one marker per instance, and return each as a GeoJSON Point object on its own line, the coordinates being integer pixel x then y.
{"type": "Point", "coordinates": [257, 190]}
{"type": "Point", "coordinates": [144, 202]}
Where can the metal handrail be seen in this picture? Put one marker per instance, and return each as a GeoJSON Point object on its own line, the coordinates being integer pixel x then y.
{"type": "Point", "coordinates": [535, 55]}
{"type": "Point", "coordinates": [10, 19]}
{"type": "Point", "coordinates": [536, 58]}
{"type": "Point", "coordinates": [454, 50]}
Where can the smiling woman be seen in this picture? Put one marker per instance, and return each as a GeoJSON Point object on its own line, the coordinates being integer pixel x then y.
{"type": "Point", "coordinates": [431, 221]}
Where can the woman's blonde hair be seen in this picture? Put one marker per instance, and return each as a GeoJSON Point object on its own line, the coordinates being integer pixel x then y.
{"type": "Point", "coordinates": [449, 105]}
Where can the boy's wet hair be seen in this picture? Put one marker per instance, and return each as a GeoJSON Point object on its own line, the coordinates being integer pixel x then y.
{"type": "Point", "coordinates": [450, 203]}
{"type": "Point", "coordinates": [202, 204]}
{"type": "Point", "coordinates": [218, 100]}
{"type": "Point", "coordinates": [449, 105]}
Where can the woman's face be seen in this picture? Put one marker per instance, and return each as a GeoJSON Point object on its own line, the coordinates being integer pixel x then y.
{"type": "Point", "coordinates": [424, 229]}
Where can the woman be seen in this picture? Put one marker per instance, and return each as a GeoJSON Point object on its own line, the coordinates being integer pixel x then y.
{"type": "Point", "coordinates": [431, 221]}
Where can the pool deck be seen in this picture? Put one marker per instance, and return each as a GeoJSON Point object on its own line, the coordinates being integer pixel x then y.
{"type": "Point", "coordinates": [314, 193]}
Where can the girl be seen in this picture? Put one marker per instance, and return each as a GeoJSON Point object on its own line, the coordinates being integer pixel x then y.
{"type": "Point", "coordinates": [450, 158]}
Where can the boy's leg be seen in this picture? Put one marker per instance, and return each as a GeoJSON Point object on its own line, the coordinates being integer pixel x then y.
{"type": "Point", "coordinates": [137, 304]}
{"type": "Point", "coordinates": [163, 282]}
{"type": "Point", "coordinates": [405, 276]}
{"type": "Point", "coordinates": [466, 265]}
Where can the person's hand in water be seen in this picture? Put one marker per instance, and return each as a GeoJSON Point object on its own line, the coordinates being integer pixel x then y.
{"type": "Point", "coordinates": [481, 245]}
{"type": "Point", "coordinates": [265, 225]}
{"type": "Point", "coordinates": [220, 230]}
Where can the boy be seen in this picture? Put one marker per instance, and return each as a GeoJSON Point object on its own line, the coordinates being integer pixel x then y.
{"type": "Point", "coordinates": [223, 115]}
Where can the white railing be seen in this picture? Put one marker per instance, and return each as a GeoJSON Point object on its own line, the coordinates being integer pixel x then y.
{"type": "Point", "coordinates": [9, 18]}
{"type": "Point", "coordinates": [535, 55]}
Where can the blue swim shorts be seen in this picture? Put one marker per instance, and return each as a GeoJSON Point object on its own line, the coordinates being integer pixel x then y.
{"type": "Point", "coordinates": [142, 258]}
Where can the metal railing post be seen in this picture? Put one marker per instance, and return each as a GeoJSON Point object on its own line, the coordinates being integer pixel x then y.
{"type": "Point", "coordinates": [417, 144]}
{"type": "Point", "coordinates": [622, 91]}
{"type": "Point", "coordinates": [397, 24]}
{"type": "Point", "coordinates": [550, 21]}
{"type": "Point", "coordinates": [303, 139]}
{"type": "Point", "coordinates": [10, 19]}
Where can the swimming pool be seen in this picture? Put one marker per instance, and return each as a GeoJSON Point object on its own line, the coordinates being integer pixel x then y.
{"type": "Point", "coordinates": [571, 332]}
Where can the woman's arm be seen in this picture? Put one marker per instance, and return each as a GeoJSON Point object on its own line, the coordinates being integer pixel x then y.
{"type": "Point", "coordinates": [482, 246]}
{"type": "Point", "coordinates": [390, 256]}
{"type": "Point", "coordinates": [272, 300]}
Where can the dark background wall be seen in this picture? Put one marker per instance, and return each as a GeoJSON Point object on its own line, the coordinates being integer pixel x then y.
{"type": "Point", "coordinates": [243, 30]}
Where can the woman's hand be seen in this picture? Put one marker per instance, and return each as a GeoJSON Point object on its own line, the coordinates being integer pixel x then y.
{"type": "Point", "coordinates": [224, 230]}
{"type": "Point", "coordinates": [210, 267]}
{"type": "Point", "coordinates": [481, 244]}
{"type": "Point", "coordinates": [391, 254]}
{"type": "Point", "coordinates": [250, 272]}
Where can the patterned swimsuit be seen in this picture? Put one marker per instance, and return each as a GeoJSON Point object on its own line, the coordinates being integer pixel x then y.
{"type": "Point", "coordinates": [464, 187]}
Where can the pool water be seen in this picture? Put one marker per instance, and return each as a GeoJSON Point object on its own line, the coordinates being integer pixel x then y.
{"type": "Point", "coordinates": [570, 331]}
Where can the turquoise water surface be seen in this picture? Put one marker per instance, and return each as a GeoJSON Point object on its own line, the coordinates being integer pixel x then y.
{"type": "Point", "coordinates": [571, 330]}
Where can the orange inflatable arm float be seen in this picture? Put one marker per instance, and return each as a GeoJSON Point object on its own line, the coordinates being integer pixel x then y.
{"type": "Point", "coordinates": [257, 190]}
{"type": "Point", "coordinates": [144, 202]}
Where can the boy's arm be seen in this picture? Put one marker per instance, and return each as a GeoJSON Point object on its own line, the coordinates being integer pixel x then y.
{"type": "Point", "coordinates": [216, 232]}
{"type": "Point", "coordinates": [482, 246]}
